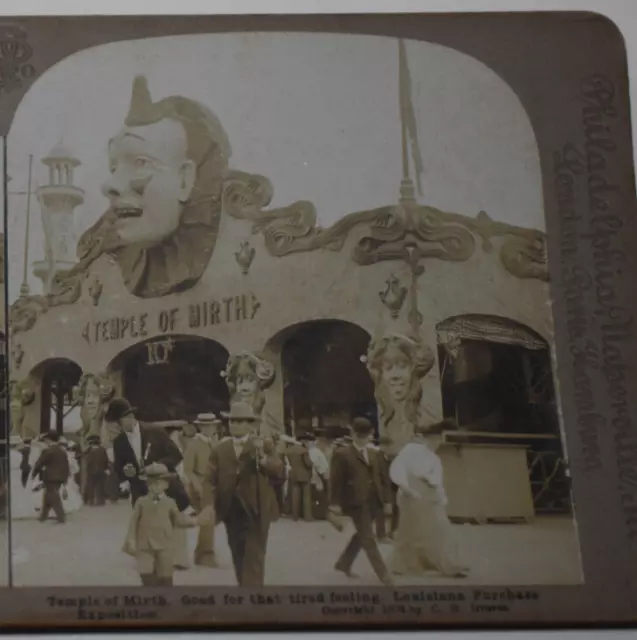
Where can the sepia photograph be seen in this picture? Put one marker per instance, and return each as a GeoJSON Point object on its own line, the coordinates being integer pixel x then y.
{"type": "Point", "coordinates": [4, 425]}
{"type": "Point", "coordinates": [279, 315]}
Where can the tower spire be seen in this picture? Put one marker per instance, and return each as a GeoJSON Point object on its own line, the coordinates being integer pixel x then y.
{"type": "Point", "coordinates": [58, 200]}
{"type": "Point", "coordinates": [409, 130]}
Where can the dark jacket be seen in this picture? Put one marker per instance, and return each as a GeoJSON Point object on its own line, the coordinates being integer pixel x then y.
{"type": "Point", "coordinates": [52, 466]}
{"type": "Point", "coordinates": [354, 483]}
{"type": "Point", "coordinates": [300, 463]}
{"type": "Point", "coordinates": [96, 461]}
{"type": "Point", "coordinates": [156, 447]}
{"type": "Point", "coordinates": [240, 478]}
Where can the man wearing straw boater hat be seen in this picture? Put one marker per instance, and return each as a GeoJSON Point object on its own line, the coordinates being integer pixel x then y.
{"type": "Point", "coordinates": [244, 477]}
{"type": "Point", "coordinates": [198, 472]}
{"type": "Point", "coordinates": [359, 487]}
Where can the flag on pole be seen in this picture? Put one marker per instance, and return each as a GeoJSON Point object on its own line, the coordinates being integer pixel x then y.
{"type": "Point", "coordinates": [408, 119]}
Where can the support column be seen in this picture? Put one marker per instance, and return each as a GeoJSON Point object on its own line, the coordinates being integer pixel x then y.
{"type": "Point", "coordinates": [431, 403]}
{"type": "Point", "coordinates": [30, 424]}
{"type": "Point", "coordinates": [274, 409]}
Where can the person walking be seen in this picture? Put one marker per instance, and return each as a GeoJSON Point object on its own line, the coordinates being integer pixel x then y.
{"type": "Point", "coordinates": [136, 447]}
{"type": "Point", "coordinates": [53, 469]}
{"type": "Point", "coordinates": [300, 479]}
{"type": "Point", "coordinates": [198, 474]}
{"type": "Point", "coordinates": [243, 478]}
{"type": "Point", "coordinates": [425, 539]}
{"type": "Point", "coordinates": [360, 489]}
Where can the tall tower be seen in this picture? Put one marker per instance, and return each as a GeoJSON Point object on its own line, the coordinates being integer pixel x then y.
{"type": "Point", "coordinates": [58, 200]}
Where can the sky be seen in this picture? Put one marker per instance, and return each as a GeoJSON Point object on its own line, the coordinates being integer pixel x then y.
{"type": "Point", "coordinates": [318, 114]}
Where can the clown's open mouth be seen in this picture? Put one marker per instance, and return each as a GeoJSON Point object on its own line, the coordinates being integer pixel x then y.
{"type": "Point", "coordinates": [128, 212]}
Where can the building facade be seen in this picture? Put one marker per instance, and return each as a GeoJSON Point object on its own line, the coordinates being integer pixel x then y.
{"type": "Point", "coordinates": [402, 313]}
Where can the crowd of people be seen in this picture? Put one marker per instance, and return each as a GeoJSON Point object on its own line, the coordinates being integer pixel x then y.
{"type": "Point", "coordinates": [223, 470]}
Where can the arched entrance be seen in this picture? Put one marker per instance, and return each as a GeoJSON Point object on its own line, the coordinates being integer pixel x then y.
{"type": "Point", "coordinates": [497, 384]}
{"type": "Point", "coordinates": [58, 377]}
{"type": "Point", "coordinates": [173, 378]}
{"type": "Point", "coordinates": [496, 375]}
{"type": "Point", "coordinates": [325, 383]}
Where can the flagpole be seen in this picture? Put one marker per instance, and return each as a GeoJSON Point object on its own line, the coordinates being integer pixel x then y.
{"type": "Point", "coordinates": [403, 125]}
{"type": "Point", "coordinates": [24, 288]}
{"type": "Point", "coordinates": [409, 131]}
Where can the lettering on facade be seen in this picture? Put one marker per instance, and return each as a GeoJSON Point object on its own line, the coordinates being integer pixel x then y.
{"type": "Point", "coordinates": [198, 315]}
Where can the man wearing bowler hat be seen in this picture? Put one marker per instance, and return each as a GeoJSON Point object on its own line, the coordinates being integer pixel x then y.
{"type": "Point", "coordinates": [136, 447]}
{"type": "Point", "coordinates": [53, 468]}
{"type": "Point", "coordinates": [359, 488]}
{"type": "Point", "coordinates": [243, 478]}
{"type": "Point", "coordinates": [198, 472]}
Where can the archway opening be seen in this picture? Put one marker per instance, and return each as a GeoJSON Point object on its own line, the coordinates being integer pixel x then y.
{"type": "Point", "coordinates": [497, 385]}
{"type": "Point", "coordinates": [325, 382]}
{"type": "Point", "coordinates": [57, 408]}
{"type": "Point", "coordinates": [173, 378]}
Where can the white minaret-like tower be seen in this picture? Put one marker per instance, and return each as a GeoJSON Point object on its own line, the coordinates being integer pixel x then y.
{"type": "Point", "coordinates": [58, 200]}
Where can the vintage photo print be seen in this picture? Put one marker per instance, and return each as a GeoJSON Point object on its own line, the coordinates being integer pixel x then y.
{"type": "Point", "coordinates": [4, 430]}
{"type": "Point", "coordinates": [285, 311]}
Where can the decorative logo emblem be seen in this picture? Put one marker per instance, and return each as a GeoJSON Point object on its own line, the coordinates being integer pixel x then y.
{"type": "Point", "coordinates": [245, 256]}
{"type": "Point", "coordinates": [159, 351]}
{"type": "Point", "coordinates": [15, 54]}
{"type": "Point", "coordinates": [95, 291]}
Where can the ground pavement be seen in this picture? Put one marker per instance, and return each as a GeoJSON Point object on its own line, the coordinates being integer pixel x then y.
{"type": "Point", "coordinates": [86, 551]}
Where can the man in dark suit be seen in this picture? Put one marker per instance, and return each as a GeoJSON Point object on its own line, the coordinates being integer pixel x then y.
{"type": "Point", "coordinates": [96, 465]}
{"type": "Point", "coordinates": [244, 477]}
{"type": "Point", "coordinates": [359, 489]}
{"type": "Point", "coordinates": [386, 459]}
{"type": "Point", "coordinates": [136, 447]}
{"type": "Point", "coordinates": [53, 468]}
{"type": "Point", "coordinates": [299, 480]}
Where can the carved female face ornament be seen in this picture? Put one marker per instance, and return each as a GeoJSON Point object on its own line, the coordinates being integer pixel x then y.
{"type": "Point", "coordinates": [246, 383]}
{"type": "Point", "coordinates": [247, 375]}
{"type": "Point", "coordinates": [150, 177]}
{"type": "Point", "coordinates": [397, 372]}
{"type": "Point", "coordinates": [92, 399]}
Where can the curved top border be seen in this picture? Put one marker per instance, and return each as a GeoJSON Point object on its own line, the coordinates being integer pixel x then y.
{"type": "Point", "coordinates": [32, 45]}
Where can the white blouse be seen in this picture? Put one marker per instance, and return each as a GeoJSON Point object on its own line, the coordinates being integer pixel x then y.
{"type": "Point", "coordinates": [417, 461]}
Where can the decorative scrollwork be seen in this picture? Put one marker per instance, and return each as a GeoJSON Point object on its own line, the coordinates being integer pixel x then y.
{"type": "Point", "coordinates": [422, 227]}
{"type": "Point", "coordinates": [437, 234]}
{"type": "Point", "coordinates": [526, 257]}
{"type": "Point", "coordinates": [24, 312]}
{"type": "Point", "coordinates": [65, 289]}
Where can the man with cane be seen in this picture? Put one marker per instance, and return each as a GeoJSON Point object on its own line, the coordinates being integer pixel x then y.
{"type": "Point", "coordinates": [244, 477]}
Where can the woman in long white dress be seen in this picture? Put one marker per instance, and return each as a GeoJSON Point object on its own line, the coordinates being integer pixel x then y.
{"type": "Point", "coordinates": [25, 502]}
{"type": "Point", "coordinates": [425, 539]}
{"type": "Point", "coordinates": [72, 497]}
